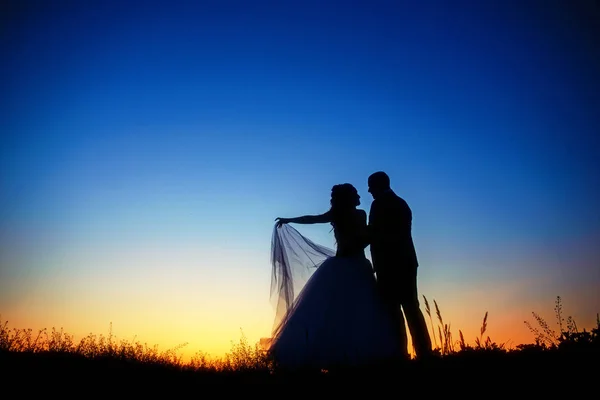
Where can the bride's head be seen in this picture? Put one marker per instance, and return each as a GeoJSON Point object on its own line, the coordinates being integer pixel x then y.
{"type": "Point", "coordinates": [344, 196]}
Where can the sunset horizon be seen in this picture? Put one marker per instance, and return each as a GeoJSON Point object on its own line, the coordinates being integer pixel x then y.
{"type": "Point", "coordinates": [496, 330]}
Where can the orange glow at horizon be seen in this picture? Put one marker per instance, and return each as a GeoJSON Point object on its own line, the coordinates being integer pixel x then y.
{"type": "Point", "coordinates": [214, 333]}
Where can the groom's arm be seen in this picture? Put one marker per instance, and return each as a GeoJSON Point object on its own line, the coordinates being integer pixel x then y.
{"type": "Point", "coordinates": [374, 213]}
{"type": "Point", "coordinates": [373, 218]}
{"type": "Point", "coordinates": [379, 225]}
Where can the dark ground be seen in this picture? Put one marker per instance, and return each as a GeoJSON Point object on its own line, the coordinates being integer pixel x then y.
{"type": "Point", "coordinates": [483, 374]}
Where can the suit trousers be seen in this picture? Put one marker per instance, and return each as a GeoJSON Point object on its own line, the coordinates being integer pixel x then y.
{"type": "Point", "coordinates": [400, 294]}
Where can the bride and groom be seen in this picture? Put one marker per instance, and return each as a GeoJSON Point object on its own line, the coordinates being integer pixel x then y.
{"type": "Point", "coordinates": [344, 315]}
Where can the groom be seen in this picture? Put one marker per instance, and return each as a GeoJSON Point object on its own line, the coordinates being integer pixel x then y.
{"type": "Point", "coordinates": [395, 261]}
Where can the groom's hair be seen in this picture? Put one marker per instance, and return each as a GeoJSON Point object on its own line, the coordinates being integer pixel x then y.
{"type": "Point", "coordinates": [380, 179]}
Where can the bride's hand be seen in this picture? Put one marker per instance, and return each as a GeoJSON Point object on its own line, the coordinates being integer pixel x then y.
{"type": "Point", "coordinates": [281, 221]}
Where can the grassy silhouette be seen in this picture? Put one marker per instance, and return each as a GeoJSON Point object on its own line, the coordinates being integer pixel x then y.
{"type": "Point", "coordinates": [46, 354]}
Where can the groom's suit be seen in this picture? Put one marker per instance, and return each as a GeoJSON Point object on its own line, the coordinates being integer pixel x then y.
{"type": "Point", "coordinates": [395, 264]}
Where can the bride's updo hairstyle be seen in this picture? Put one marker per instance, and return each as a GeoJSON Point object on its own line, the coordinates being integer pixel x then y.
{"type": "Point", "coordinates": [343, 197]}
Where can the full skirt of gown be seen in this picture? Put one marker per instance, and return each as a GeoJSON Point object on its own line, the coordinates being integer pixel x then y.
{"type": "Point", "coordinates": [337, 320]}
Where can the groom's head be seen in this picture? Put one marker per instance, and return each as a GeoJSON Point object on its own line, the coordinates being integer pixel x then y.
{"type": "Point", "coordinates": [379, 182]}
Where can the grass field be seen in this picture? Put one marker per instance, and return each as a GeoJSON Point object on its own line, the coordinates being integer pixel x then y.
{"type": "Point", "coordinates": [48, 362]}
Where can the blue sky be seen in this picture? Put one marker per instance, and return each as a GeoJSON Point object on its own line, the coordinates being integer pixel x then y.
{"type": "Point", "coordinates": [187, 127]}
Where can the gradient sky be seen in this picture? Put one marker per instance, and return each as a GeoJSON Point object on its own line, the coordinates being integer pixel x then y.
{"type": "Point", "coordinates": [146, 149]}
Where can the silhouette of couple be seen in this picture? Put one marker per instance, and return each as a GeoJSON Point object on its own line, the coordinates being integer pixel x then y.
{"type": "Point", "coordinates": [344, 315]}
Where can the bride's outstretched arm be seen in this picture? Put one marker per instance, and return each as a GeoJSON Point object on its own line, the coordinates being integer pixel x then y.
{"type": "Point", "coordinates": [306, 219]}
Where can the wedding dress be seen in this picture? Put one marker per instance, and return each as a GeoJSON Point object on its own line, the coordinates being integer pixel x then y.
{"type": "Point", "coordinates": [337, 317]}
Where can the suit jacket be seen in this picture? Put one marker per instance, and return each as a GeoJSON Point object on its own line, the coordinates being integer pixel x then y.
{"type": "Point", "coordinates": [390, 236]}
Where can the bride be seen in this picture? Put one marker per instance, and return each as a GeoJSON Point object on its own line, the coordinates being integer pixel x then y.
{"type": "Point", "coordinates": [337, 319]}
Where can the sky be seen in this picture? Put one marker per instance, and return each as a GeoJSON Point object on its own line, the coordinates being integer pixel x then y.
{"type": "Point", "coordinates": [147, 147]}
